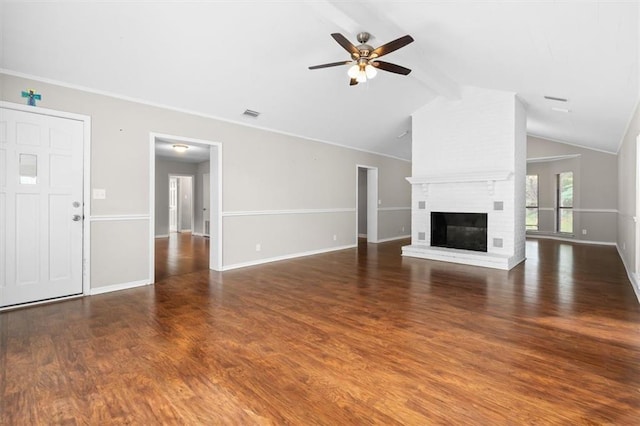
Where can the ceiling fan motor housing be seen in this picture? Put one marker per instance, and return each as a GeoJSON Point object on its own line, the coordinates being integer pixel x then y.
{"type": "Point", "coordinates": [364, 48]}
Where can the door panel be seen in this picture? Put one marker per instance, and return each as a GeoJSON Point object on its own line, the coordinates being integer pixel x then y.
{"type": "Point", "coordinates": [61, 173]}
{"type": "Point", "coordinates": [41, 181]}
{"type": "Point", "coordinates": [60, 238]}
{"type": "Point", "coordinates": [27, 239]}
{"type": "Point", "coordinates": [27, 133]}
{"type": "Point", "coordinates": [3, 254]}
{"type": "Point", "coordinates": [3, 168]}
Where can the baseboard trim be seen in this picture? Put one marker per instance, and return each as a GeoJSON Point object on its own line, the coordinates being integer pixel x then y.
{"type": "Point", "coordinates": [162, 236]}
{"type": "Point", "coordinates": [401, 237]}
{"type": "Point", "coordinates": [570, 240]}
{"type": "Point", "coordinates": [118, 287]}
{"type": "Point", "coordinates": [362, 235]}
{"type": "Point", "coordinates": [286, 257]}
{"type": "Point", "coordinates": [633, 278]}
{"type": "Point", "coordinates": [41, 302]}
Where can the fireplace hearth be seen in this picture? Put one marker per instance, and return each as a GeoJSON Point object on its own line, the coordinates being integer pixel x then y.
{"type": "Point", "coordinates": [466, 231]}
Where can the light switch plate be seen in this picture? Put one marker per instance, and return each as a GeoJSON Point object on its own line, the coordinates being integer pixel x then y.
{"type": "Point", "coordinates": [99, 194]}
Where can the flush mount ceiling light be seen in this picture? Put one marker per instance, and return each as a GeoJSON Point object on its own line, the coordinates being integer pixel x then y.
{"type": "Point", "coordinates": [180, 147]}
{"type": "Point", "coordinates": [560, 109]}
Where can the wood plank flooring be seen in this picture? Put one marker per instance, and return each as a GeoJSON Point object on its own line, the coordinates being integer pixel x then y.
{"type": "Point", "coordinates": [360, 336]}
{"type": "Point", "coordinates": [179, 254]}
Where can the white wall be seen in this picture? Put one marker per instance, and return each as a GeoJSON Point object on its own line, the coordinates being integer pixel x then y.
{"type": "Point", "coordinates": [627, 199]}
{"type": "Point", "coordinates": [270, 181]}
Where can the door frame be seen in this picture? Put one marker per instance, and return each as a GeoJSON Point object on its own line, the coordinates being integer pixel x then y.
{"type": "Point", "coordinates": [636, 219]}
{"type": "Point", "coordinates": [215, 198]}
{"type": "Point", "coordinates": [86, 191]}
{"type": "Point", "coordinates": [372, 202]}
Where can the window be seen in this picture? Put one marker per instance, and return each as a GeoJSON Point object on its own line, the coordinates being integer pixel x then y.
{"type": "Point", "coordinates": [564, 201]}
{"type": "Point", "coordinates": [532, 202]}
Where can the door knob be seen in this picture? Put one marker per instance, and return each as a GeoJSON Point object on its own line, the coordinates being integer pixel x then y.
{"type": "Point", "coordinates": [77, 218]}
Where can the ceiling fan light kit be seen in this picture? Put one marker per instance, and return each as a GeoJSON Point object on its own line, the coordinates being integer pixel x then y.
{"type": "Point", "coordinates": [364, 58]}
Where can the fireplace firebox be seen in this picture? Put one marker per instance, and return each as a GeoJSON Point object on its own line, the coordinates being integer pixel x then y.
{"type": "Point", "coordinates": [467, 231]}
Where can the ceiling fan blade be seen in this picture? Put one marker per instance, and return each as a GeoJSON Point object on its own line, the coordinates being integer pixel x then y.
{"type": "Point", "coordinates": [391, 46]}
{"type": "Point", "coordinates": [332, 64]}
{"type": "Point", "coordinates": [388, 66]}
{"type": "Point", "coordinates": [346, 44]}
{"type": "Point", "coordinates": [353, 82]}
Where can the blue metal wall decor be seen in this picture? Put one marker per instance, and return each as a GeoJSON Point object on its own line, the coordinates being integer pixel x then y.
{"type": "Point", "coordinates": [31, 96]}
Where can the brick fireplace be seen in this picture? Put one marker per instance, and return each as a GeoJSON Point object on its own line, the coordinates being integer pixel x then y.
{"type": "Point", "coordinates": [469, 156]}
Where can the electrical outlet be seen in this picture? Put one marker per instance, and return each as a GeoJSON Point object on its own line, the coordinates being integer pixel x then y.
{"type": "Point", "coordinates": [624, 246]}
{"type": "Point", "coordinates": [379, 202]}
{"type": "Point", "coordinates": [335, 237]}
{"type": "Point", "coordinates": [403, 229]}
{"type": "Point", "coordinates": [584, 232]}
{"type": "Point", "coordinates": [258, 247]}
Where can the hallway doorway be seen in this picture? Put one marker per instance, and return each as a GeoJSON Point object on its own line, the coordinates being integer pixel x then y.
{"type": "Point", "coordinates": [186, 231]}
{"type": "Point", "coordinates": [367, 203]}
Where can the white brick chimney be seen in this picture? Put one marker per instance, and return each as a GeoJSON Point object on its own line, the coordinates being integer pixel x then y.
{"type": "Point", "coordinates": [469, 156]}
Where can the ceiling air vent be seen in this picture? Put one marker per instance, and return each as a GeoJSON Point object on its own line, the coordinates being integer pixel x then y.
{"type": "Point", "coordinates": [251, 113]}
{"type": "Point", "coordinates": [553, 98]}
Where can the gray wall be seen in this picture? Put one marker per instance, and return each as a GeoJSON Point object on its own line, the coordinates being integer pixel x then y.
{"type": "Point", "coordinates": [595, 177]}
{"type": "Point", "coordinates": [264, 174]}
{"type": "Point", "coordinates": [627, 208]}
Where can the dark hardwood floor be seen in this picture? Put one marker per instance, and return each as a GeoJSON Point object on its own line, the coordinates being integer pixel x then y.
{"type": "Point", "coordinates": [181, 253]}
{"type": "Point", "coordinates": [360, 336]}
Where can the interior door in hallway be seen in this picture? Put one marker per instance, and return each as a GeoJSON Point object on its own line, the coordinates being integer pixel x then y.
{"type": "Point", "coordinates": [173, 204]}
{"type": "Point", "coordinates": [206, 208]}
{"type": "Point", "coordinates": [41, 206]}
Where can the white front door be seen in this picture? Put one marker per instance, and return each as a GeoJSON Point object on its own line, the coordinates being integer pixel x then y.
{"type": "Point", "coordinates": [206, 212]}
{"type": "Point", "coordinates": [41, 207]}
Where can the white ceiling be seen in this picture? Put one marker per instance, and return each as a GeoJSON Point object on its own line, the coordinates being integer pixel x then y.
{"type": "Point", "coordinates": [195, 153]}
{"type": "Point", "coordinates": [221, 57]}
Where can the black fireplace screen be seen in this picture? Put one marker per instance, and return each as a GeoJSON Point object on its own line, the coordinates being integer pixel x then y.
{"type": "Point", "coordinates": [466, 231]}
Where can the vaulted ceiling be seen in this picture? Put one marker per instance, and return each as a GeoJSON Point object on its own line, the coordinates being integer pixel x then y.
{"type": "Point", "coordinates": [219, 58]}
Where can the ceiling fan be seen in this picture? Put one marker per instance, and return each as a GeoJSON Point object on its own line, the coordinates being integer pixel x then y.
{"type": "Point", "coordinates": [364, 58]}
